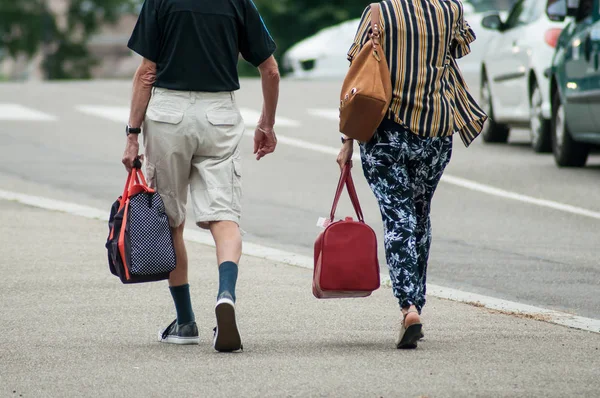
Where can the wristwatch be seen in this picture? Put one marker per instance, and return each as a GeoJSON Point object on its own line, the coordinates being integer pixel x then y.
{"type": "Point", "coordinates": [132, 130]}
{"type": "Point", "coordinates": [344, 139]}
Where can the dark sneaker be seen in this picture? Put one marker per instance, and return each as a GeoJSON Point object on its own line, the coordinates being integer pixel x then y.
{"type": "Point", "coordinates": [227, 335]}
{"type": "Point", "coordinates": [179, 334]}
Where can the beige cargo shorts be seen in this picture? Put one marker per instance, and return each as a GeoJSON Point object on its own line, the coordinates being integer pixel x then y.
{"type": "Point", "coordinates": [191, 139]}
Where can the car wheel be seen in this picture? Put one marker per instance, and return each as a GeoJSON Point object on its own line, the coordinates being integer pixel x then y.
{"type": "Point", "coordinates": [567, 152]}
{"type": "Point", "coordinates": [492, 132]}
{"type": "Point", "coordinates": [539, 127]}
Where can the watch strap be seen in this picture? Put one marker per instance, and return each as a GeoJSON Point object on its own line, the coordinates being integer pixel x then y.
{"type": "Point", "coordinates": [132, 130]}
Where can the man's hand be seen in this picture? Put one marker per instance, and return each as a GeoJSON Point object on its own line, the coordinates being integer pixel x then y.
{"type": "Point", "coordinates": [345, 155]}
{"type": "Point", "coordinates": [132, 149]}
{"type": "Point", "coordinates": [265, 141]}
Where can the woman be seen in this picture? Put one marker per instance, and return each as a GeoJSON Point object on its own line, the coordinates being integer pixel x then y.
{"type": "Point", "coordinates": [406, 157]}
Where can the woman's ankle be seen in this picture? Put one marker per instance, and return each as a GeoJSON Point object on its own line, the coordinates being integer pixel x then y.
{"type": "Point", "coordinates": [410, 315]}
{"type": "Point", "coordinates": [406, 310]}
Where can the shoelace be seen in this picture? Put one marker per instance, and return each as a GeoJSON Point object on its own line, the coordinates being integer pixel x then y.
{"type": "Point", "coordinates": [166, 331]}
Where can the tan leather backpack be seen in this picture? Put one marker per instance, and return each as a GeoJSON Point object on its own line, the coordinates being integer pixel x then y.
{"type": "Point", "coordinates": [367, 88]}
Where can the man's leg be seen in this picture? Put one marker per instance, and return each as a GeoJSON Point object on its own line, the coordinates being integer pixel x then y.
{"type": "Point", "coordinates": [229, 250]}
{"type": "Point", "coordinates": [169, 152]}
{"type": "Point", "coordinates": [179, 276]}
{"type": "Point", "coordinates": [228, 240]}
{"type": "Point", "coordinates": [184, 329]}
{"type": "Point", "coordinates": [178, 280]}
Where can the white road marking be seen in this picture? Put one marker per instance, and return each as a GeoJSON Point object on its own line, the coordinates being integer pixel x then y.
{"type": "Point", "coordinates": [120, 114]}
{"type": "Point", "coordinates": [327, 150]}
{"type": "Point", "coordinates": [330, 114]}
{"type": "Point", "coordinates": [251, 119]}
{"type": "Point", "coordinates": [475, 186]}
{"type": "Point", "coordinates": [303, 144]}
{"type": "Point", "coordinates": [458, 181]}
{"type": "Point", "coordinates": [20, 113]}
{"type": "Point", "coordinates": [560, 318]}
{"type": "Point", "coordinates": [254, 250]}
{"type": "Point", "coordinates": [56, 205]}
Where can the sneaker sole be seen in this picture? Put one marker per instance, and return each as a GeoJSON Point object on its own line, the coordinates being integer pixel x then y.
{"type": "Point", "coordinates": [227, 337]}
{"type": "Point", "coordinates": [178, 340]}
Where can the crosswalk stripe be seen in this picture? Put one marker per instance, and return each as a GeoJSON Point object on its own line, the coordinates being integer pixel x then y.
{"type": "Point", "coordinates": [121, 114]}
{"type": "Point", "coordinates": [251, 119]}
{"type": "Point", "coordinates": [20, 113]}
{"type": "Point", "coordinates": [330, 114]}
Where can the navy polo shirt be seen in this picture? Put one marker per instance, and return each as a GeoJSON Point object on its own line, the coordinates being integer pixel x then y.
{"type": "Point", "coordinates": [196, 43]}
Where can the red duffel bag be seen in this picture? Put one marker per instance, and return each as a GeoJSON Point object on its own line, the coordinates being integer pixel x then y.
{"type": "Point", "coordinates": [346, 262]}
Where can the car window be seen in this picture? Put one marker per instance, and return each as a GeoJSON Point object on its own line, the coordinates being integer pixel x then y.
{"type": "Point", "coordinates": [522, 13]}
{"type": "Point", "coordinates": [538, 9]}
{"type": "Point", "coordinates": [480, 6]}
{"type": "Point", "coordinates": [515, 14]}
{"type": "Point", "coordinates": [585, 10]}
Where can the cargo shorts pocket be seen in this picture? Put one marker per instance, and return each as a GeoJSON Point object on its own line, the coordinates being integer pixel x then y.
{"type": "Point", "coordinates": [236, 184]}
{"type": "Point", "coordinates": [223, 117]}
{"type": "Point", "coordinates": [151, 175]}
{"type": "Point", "coordinates": [167, 115]}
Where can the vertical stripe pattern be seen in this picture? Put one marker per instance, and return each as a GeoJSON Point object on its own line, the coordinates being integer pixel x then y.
{"type": "Point", "coordinates": [422, 40]}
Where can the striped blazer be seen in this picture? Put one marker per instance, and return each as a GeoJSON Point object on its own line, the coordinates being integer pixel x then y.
{"type": "Point", "coordinates": [422, 40]}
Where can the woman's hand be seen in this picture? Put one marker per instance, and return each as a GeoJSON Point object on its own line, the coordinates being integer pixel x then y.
{"type": "Point", "coordinates": [345, 155]}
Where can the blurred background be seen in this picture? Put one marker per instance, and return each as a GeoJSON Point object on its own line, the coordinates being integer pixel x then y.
{"type": "Point", "coordinates": [83, 39]}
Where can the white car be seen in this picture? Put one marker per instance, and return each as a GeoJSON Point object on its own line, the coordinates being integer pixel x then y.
{"type": "Point", "coordinates": [470, 65]}
{"type": "Point", "coordinates": [324, 54]}
{"type": "Point", "coordinates": [514, 88]}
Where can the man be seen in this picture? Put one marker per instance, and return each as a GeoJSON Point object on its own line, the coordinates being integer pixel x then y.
{"type": "Point", "coordinates": [183, 94]}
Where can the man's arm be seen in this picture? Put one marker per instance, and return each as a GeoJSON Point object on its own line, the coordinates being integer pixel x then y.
{"type": "Point", "coordinates": [144, 79]}
{"type": "Point", "coordinates": [269, 74]}
{"type": "Point", "coordinates": [265, 140]}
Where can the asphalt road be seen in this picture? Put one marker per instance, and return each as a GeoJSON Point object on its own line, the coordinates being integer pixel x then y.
{"type": "Point", "coordinates": [483, 243]}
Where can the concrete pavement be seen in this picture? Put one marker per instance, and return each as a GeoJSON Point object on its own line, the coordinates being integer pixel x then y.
{"type": "Point", "coordinates": [70, 329]}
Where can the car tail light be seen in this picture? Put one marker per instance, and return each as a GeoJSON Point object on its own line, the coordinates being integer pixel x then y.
{"type": "Point", "coordinates": [551, 36]}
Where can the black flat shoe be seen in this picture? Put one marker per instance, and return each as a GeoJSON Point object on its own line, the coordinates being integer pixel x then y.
{"type": "Point", "coordinates": [409, 337]}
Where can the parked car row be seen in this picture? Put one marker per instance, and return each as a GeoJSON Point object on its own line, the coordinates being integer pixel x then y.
{"type": "Point", "coordinates": [575, 81]}
{"type": "Point", "coordinates": [542, 72]}
{"type": "Point", "coordinates": [323, 55]}
{"type": "Point", "coordinates": [514, 89]}
{"type": "Point", "coordinates": [536, 63]}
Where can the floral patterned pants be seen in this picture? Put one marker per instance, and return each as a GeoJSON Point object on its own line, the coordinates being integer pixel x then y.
{"type": "Point", "coordinates": [403, 170]}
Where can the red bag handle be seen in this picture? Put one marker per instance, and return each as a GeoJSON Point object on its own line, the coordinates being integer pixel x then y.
{"type": "Point", "coordinates": [346, 179]}
{"type": "Point", "coordinates": [354, 197]}
{"type": "Point", "coordinates": [135, 177]}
